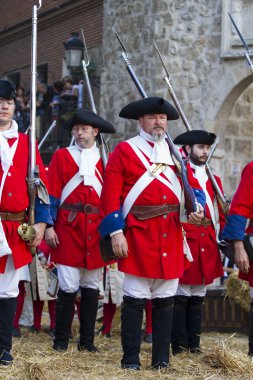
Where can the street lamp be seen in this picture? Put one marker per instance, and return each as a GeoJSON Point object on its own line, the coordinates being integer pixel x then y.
{"type": "Point", "coordinates": [73, 51]}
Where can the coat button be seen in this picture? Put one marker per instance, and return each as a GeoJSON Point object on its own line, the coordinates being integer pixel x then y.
{"type": "Point", "coordinates": [165, 216]}
{"type": "Point", "coordinates": [164, 235]}
{"type": "Point", "coordinates": [89, 237]}
{"type": "Point", "coordinates": [116, 215]}
{"type": "Point", "coordinates": [89, 221]}
{"type": "Point", "coordinates": [202, 234]}
{"type": "Point", "coordinates": [164, 254]}
{"type": "Point", "coordinates": [164, 197]}
{"type": "Point", "coordinates": [88, 253]}
{"type": "Point", "coordinates": [9, 194]}
{"type": "Point", "coordinates": [9, 174]}
{"type": "Point", "coordinates": [202, 249]}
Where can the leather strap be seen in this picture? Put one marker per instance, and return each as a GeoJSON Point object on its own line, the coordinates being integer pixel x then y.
{"type": "Point", "coordinates": [80, 207]}
{"type": "Point", "coordinates": [147, 212]}
{"type": "Point", "coordinates": [18, 216]}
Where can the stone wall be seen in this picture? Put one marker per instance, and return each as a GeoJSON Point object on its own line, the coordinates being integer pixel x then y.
{"type": "Point", "coordinates": [212, 90]}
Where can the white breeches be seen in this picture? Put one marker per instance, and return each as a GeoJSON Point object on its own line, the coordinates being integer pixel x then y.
{"type": "Point", "coordinates": [140, 287]}
{"type": "Point", "coordinates": [70, 278]}
{"type": "Point", "coordinates": [9, 280]}
{"type": "Point", "coordinates": [191, 290]}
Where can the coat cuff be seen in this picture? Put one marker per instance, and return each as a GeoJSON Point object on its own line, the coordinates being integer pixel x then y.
{"type": "Point", "coordinates": [54, 206]}
{"type": "Point", "coordinates": [111, 223]}
{"type": "Point", "coordinates": [234, 228]}
{"type": "Point", "coordinates": [42, 213]}
{"type": "Point", "coordinates": [200, 196]}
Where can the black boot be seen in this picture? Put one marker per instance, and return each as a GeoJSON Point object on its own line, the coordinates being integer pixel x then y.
{"type": "Point", "coordinates": [88, 314]}
{"type": "Point", "coordinates": [179, 334]}
{"type": "Point", "coordinates": [7, 314]}
{"type": "Point", "coordinates": [250, 353]}
{"type": "Point", "coordinates": [194, 319]}
{"type": "Point", "coordinates": [162, 315]}
{"type": "Point", "coordinates": [64, 313]}
{"type": "Point", "coordinates": [131, 322]}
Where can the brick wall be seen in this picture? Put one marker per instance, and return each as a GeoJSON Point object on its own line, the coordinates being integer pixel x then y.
{"type": "Point", "coordinates": [56, 21]}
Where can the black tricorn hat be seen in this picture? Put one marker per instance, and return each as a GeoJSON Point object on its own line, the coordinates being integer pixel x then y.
{"type": "Point", "coordinates": [7, 89]}
{"type": "Point", "coordinates": [89, 118]}
{"type": "Point", "coordinates": [196, 136]}
{"type": "Point", "coordinates": [151, 105]}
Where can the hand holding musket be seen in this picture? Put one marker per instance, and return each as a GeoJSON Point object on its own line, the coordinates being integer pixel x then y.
{"type": "Point", "coordinates": [191, 204]}
{"type": "Point", "coordinates": [220, 197]}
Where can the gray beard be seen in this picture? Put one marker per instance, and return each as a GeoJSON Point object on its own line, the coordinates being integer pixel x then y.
{"type": "Point", "coordinates": [158, 137]}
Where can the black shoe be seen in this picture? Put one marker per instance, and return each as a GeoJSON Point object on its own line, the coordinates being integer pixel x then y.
{"type": "Point", "coordinates": [34, 330]}
{"type": "Point", "coordinates": [195, 350]}
{"type": "Point", "coordinates": [135, 367]}
{"type": "Point", "coordinates": [87, 347]}
{"type": "Point", "coordinates": [161, 365]}
{"type": "Point", "coordinates": [148, 338]}
{"type": "Point", "coordinates": [16, 333]}
{"type": "Point", "coordinates": [5, 358]}
{"type": "Point", "coordinates": [51, 333]}
{"type": "Point", "coordinates": [60, 346]}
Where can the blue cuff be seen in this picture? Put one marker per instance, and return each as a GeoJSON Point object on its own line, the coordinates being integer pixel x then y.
{"type": "Point", "coordinates": [234, 228]}
{"type": "Point", "coordinates": [54, 206]}
{"type": "Point", "coordinates": [111, 223]}
{"type": "Point", "coordinates": [42, 213]}
{"type": "Point", "coordinates": [200, 196]}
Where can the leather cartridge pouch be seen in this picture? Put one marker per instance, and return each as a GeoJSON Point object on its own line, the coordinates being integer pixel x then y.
{"type": "Point", "coordinates": [229, 251]}
{"type": "Point", "coordinates": [106, 250]}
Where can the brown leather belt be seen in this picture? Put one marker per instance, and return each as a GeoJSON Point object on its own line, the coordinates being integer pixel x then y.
{"type": "Point", "coordinates": [13, 216]}
{"type": "Point", "coordinates": [147, 212]}
{"type": "Point", "coordinates": [79, 207]}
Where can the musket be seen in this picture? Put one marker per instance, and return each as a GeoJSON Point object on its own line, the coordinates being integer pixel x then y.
{"type": "Point", "coordinates": [50, 129]}
{"type": "Point", "coordinates": [100, 138]}
{"type": "Point", "coordinates": [27, 231]}
{"type": "Point", "coordinates": [220, 197]}
{"type": "Point", "coordinates": [247, 52]}
{"type": "Point", "coordinates": [190, 200]}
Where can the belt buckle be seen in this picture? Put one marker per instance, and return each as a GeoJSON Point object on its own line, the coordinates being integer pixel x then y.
{"type": "Point", "coordinates": [87, 209]}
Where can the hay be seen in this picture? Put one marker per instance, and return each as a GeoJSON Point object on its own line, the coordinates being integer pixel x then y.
{"type": "Point", "coordinates": [238, 290]}
{"type": "Point", "coordinates": [36, 360]}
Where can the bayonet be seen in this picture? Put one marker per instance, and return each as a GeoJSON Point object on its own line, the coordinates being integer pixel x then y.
{"type": "Point", "coordinates": [100, 138]}
{"type": "Point", "coordinates": [215, 185]}
{"type": "Point", "coordinates": [50, 129]}
{"type": "Point", "coordinates": [247, 52]}
{"type": "Point", "coordinates": [171, 91]}
{"type": "Point", "coordinates": [125, 57]}
{"type": "Point", "coordinates": [214, 146]}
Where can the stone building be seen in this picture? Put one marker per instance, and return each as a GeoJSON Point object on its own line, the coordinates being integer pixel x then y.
{"type": "Point", "coordinates": [201, 50]}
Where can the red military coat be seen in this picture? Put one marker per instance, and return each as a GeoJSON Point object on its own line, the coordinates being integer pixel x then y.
{"type": "Point", "coordinates": [155, 244]}
{"type": "Point", "coordinates": [242, 205]}
{"type": "Point", "coordinates": [79, 239]}
{"type": "Point", "coordinates": [15, 199]}
{"type": "Point", "coordinates": [207, 263]}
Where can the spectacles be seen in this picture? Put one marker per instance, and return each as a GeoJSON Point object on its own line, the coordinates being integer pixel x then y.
{"type": "Point", "coordinates": [82, 129]}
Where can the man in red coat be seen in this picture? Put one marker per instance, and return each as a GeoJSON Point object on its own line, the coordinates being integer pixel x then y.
{"type": "Point", "coordinates": [14, 201]}
{"type": "Point", "coordinates": [240, 222]}
{"type": "Point", "coordinates": [75, 183]}
{"type": "Point", "coordinates": [142, 195]}
{"type": "Point", "coordinates": [202, 240]}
